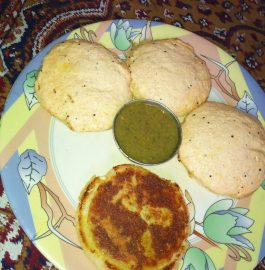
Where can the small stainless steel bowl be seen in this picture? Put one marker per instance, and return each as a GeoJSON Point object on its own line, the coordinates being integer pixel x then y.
{"type": "Point", "coordinates": [164, 108]}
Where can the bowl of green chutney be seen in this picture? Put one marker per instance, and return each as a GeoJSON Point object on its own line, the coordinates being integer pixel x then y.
{"type": "Point", "coordinates": [147, 132]}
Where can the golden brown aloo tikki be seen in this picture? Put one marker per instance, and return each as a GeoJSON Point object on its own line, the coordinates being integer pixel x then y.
{"type": "Point", "coordinates": [83, 84]}
{"type": "Point", "coordinates": [132, 219]}
{"type": "Point", "coordinates": [224, 148]}
{"type": "Point", "coordinates": [170, 72]}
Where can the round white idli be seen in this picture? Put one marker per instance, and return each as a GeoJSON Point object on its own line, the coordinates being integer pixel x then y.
{"type": "Point", "coordinates": [83, 84]}
{"type": "Point", "coordinates": [170, 72]}
{"type": "Point", "coordinates": [224, 148]}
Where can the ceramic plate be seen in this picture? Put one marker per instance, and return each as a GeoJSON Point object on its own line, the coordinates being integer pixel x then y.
{"type": "Point", "coordinates": [44, 165]}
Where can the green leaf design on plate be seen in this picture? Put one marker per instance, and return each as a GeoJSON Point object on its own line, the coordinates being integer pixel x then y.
{"type": "Point", "coordinates": [217, 226]}
{"type": "Point", "coordinates": [240, 210]}
{"type": "Point", "coordinates": [226, 225]}
{"type": "Point", "coordinates": [128, 32]}
{"type": "Point", "coordinates": [29, 89]}
{"type": "Point", "coordinates": [220, 205]}
{"type": "Point", "coordinates": [238, 230]}
{"type": "Point", "coordinates": [197, 259]}
{"type": "Point", "coordinates": [113, 29]}
{"type": "Point", "coordinates": [121, 41]}
{"type": "Point", "coordinates": [122, 35]}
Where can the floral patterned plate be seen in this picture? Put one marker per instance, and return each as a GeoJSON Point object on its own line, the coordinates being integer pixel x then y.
{"type": "Point", "coordinates": [44, 165]}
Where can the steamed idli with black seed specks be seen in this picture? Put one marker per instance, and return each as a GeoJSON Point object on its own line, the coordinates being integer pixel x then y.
{"type": "Point", "coordinates": [224, 148]}
{"type": "Point", "coordinates": [83, 84]}
{"type": "Point", "coordinates": [170, 72]}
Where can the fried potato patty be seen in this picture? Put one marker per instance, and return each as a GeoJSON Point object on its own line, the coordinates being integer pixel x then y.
{"type": "Point", "coordinates": [132, 219]}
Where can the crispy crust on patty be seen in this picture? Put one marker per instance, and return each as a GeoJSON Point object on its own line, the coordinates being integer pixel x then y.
{"type": "Point", "coordinates": [132, 219]}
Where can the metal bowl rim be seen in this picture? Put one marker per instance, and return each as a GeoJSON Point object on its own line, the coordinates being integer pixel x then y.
{"type": "Point", "coordinates": [179, 128]}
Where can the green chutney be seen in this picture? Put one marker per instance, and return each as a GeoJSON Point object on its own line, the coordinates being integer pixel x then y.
{"type": "Point", "coordinates": [147, 132]}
